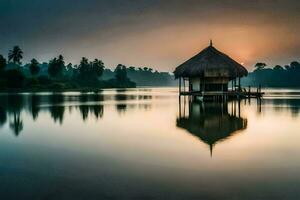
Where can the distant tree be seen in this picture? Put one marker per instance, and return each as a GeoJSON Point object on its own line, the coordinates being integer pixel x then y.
{"type": "Point", "coordinates": [295, 65]}
{"type": "Point", "coordinates": [34, 67]}
{"type": "Point", "coordinates": [121, 73]}
{"type": "Point", "coordinates": [15, 55]}
{"type": "Point", "coordinates": [260, 66]}
{"type": "Point", "coordinates": [98, 67]}
{"type": "Point", "coordinates": [287, 67]}
{"type": "Point", "coordinates": [84, 67]}
{"type": "Point", "coordinates": [69, 67]}
{"type": "Point", "coordinates": [53, 70]}
{"type": "Point", "coordinates": [131, 68]}
{"type": "Point", "coordinates": [2, 64]}
{"type": "Point", "coordinates": [56, 66]}
{"type": "Point", "coordinates": [278, 68]}
{"type": "Point", "coordinates": [61, 62]}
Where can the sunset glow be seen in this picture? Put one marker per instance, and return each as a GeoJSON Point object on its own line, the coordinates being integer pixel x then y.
{"type": "Point", "coordinates": [158, 34]}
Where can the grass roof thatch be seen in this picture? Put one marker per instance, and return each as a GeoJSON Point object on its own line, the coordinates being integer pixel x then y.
{"type": "Point", "coordinates": [210, 59]}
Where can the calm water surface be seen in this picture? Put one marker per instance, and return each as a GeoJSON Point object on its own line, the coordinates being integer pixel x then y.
{"type": "Point", "coordinates": [148, 144]}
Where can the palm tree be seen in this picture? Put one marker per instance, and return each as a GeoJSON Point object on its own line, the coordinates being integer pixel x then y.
{"type": "Point", "coordinates": [34, 67]}
{"type": "Point", "coordinates": [16, 54]}
{"type": "Point", "coordinates": [2, 64]}
{"type": "Point", "coordinates": [56, 67]}
{"type": "Point", "coordinates": [98, 67]}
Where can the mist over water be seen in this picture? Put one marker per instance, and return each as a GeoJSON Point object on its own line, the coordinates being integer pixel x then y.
{"type": "Point", "coordinates": [148, 144]}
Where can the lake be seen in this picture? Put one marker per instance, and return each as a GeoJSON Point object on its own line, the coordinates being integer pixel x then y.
{"type": "Point", "coordinates": [147, 144]}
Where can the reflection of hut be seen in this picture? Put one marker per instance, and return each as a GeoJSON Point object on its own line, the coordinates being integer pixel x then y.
{"type": "Point", "coordinates": [211, 122]}
{"type": "Point", "coordinates": [208, 74]}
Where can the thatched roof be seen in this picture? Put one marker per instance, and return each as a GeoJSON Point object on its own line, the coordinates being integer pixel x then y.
{"type": "Point", "coordinates": [210, 59]}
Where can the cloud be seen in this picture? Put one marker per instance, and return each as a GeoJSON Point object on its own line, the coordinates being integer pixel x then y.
{"type": "Point", "coordinates": [155, 33]}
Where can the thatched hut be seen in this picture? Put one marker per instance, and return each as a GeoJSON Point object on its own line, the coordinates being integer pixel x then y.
{"type": "Point", "coordinates": [210, 71]}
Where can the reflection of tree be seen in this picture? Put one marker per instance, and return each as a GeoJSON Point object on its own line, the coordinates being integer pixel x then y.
{"type": "Point", "coordinates": [56, 109]}
{"type": "Point", "coordinates": [211, 122]}
{"type": "Point", "coordinates": [95, 108]}
{"type": "Point", "coordinates": [34, 106]}
{"type": "Point", "coordinates": [17, 124]}
{"type": "Point", "coordinates": [291, 105]}
{"type": "Point", "coordinates": [15, 105]}
{"type": "Point", "coordinates": [3, 116]}
{"type": "Point", "coordinates": [84, 109]}
{"type": "Point", "coordinates": [121, 107]}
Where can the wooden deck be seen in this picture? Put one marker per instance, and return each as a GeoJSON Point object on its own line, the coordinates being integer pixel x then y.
{"type": "Point", "coordinates": [223, 94]}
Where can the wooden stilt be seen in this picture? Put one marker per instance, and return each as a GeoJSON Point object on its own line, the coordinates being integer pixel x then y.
{"type": "Point", "coordinates": [183, 84]}
{"type": "Point", "coordinates": [179, 85]}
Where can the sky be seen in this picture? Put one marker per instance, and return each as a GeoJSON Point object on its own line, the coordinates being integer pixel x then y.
{"type": "Point", "coordinates": [160, 34]}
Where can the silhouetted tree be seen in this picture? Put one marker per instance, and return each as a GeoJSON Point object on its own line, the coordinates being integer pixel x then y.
{"type": "Point", "coordinates": [34, 67]}
{"type": "Point", "coordinates": [15, 55]}
{"type": "Point", "coordinates": [56, 66]}
{"type": "Point", "coordinates": [295, 65]}
{"type": "Point", "coordinates": [89, 72]}
{"type": "Point", "coordinates": [131, 69]}
{"type": "Point", "coordinates": [287, 76]}
{"type": "Point", "coordinates": [2, 64]}
{"type": "Point", "coordinates": [69, 67]}
{"type": "Point", "coordinates": [121, 73]}
{"type": "Point", "coordinates": [84, 67]}
{"type": "Point", "coordinates": [278, 68]}
{"type": "Point", "coordinates": [98, 67]}
{"type": "Point", "coordinates": [260, 66]}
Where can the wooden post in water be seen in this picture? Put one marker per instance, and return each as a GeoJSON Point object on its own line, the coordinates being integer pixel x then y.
{"type": "Point", "coordinates": [235, 84]}
{"type": "Point", "coordinates": [183, 84]}
{"type": "Point", "coordinates": [239, 108]}
{"type": "Point", "coordinates": [239, 84]}
{"type": "Point", "coordinates": [179, 85]}
{"type": "Point", "coordinates": [249, 91]}
{"type": "Point", "coordinates": [179, 106]}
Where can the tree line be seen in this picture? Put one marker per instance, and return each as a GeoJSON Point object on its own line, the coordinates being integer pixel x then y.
{"type": "Point", "coordinates": [277, 76]}
{"type": "Point", "coordinates": [59, 75]}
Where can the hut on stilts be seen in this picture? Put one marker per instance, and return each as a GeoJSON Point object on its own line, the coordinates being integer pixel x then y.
{"type": "Point", "coordinates": [207, 76]}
